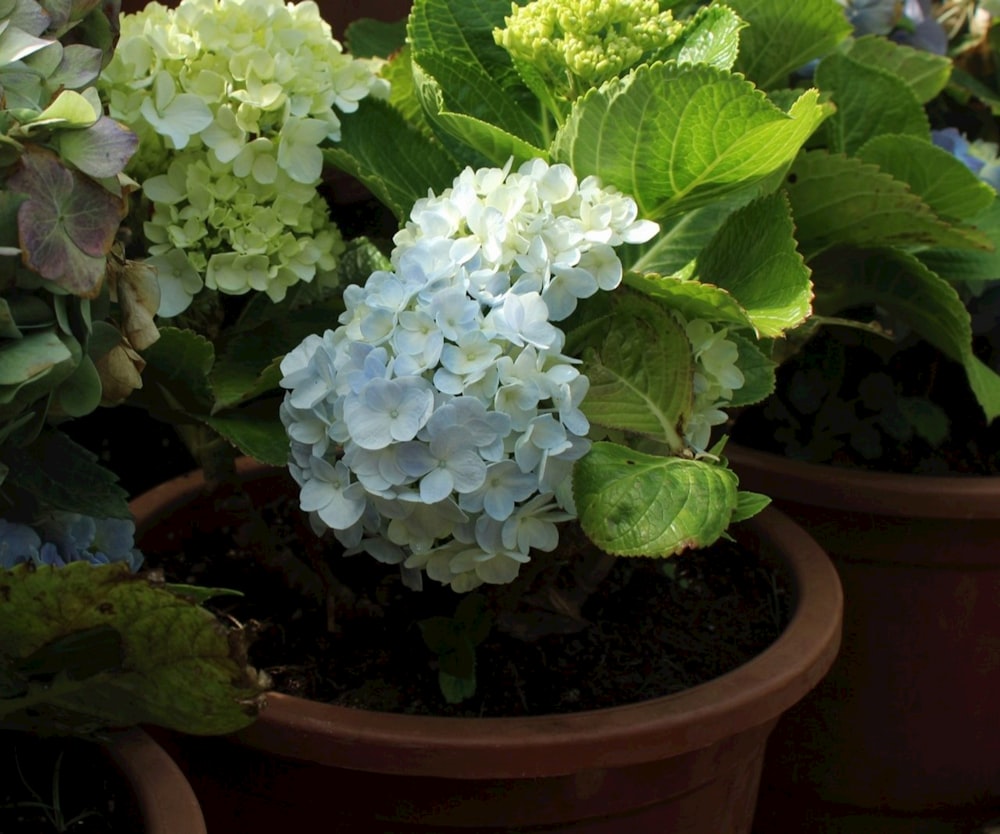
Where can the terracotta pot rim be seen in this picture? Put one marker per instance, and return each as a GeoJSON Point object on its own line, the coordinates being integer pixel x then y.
{"type": "Point", "coordinates": [753, 694]}
{"type": "Point", "coordinates": [165, 798]}
{"type": "Point", "coordinates": [856, 490]}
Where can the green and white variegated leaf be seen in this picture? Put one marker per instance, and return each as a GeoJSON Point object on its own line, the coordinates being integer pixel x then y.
{"type": "Point", "coordinates": [907, 289]}
{"type": "Point", "coordinates": [838, 200]}
{"type": "Point", "coordinates": [754, 258]}
{"type": "Point", "coordinates": [942, 181]}
{"type": "Point", "coordinates": [641, 371]}
{"type": "Point", "coordinates": [634, 504]}
{"type": "Point", "coordinates": [870, 102]}
{"type": "Point", "coordinates": [680, 137]}
{"type": "Point", "coordinates": [926, 74]}
{"type": "Point", "coordinates": [394, 160]}
{"type": "Point", "coordinates": [782, 37]}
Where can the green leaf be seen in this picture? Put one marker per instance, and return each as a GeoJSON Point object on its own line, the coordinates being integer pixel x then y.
{"type": "Point", "coordinates": [902, 285]}
{"type": "Point", "coordinates": [467, 83]}
{"type": "Point", "coordinates": [692, 299]}
{"type": "Point", "coordinates": [394, 160]}
{"type": "Point", "coordinates": [641, 371]}
{"type": "Point", "coordinates": [784, 36]}
{"type": "Point", "coordinates": [870, 102]}
{"type": "Point", "coordinates": [456, 690]}
{"type": "Point", "coordinates": [80, 394]}
{"type": "Point", "coordinates": [369, 38]}
{"type": "Point", "coordinates": [754, 257]}
{"type": "Point", "coordinates": [942, 181]}
{"type": "Point", "coordinates": [678, 138]}
{"type": "Point", "coordinates": [180, 363]}
{"type": "Point", "coordinates": [178, 666]}
{"type": "Point", "coordinates": [926, 74]}
{"type": "Point", "coordinates": [679, 241]}
{"type": "Point", "coordinates": [478, 112]}
{"type": "Point", "coordinates": [68, 110]}
{"type": "Point", "coordinates": [255, 430]}
{"type": "Point", "coordinates": [101, 150]}
{"type": "Point", "coordinates": [748, 505]}
{"type": "Point", "coordinates": [711, 36]}
{"type": "Point", "coordinates": [248, 362]}
{"type": "Point", "coordinates": [633, 504]}
{"type": "Point", "coordinates": [969, 265]}
{"type": "Point", "coordinates": [842, 200]}
{"type": "Point", "coordinates": [758, 372]}
{"type": "Point", "coordinates": [63, 475]}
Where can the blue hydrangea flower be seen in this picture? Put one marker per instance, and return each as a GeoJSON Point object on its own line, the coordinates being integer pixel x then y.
{"type": "Point", "coordinates": [979, 157]}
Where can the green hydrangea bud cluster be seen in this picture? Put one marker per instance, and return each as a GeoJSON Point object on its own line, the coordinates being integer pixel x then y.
{"type": "Point", "coordinates": [578, 44]}
{"type": "Point", "coordinates": [232, 101]}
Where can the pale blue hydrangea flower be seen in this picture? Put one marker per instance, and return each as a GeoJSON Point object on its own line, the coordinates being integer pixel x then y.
{"type": "Point", "coordinates": [61, 537]}
{"type": "Point", "coordinates": [980, 156]}
{"type": "Point", "coordinates": [457, 413]}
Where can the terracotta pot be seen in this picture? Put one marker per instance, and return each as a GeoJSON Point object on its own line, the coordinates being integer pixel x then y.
{"type": "Point", "coordinates": [688, 762]}
{"type": "Point", "coordinates": [149, 793]}
{"type": "Point", "coordinates": [907, 718]}
{"type": "Point", "coordinates": [166, 803]}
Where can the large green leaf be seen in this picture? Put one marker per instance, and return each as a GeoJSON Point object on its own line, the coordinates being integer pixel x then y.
{"type": "Point", "coordinates": [758, 372]}
{"type": "Point", "coordinates": [941, 180]}
{"type": "Point", "coordinates": [754, 257]}
{"type": "Point", "coordinates": [906, 288]}
{"type": "Point", "coordinates": [641, 371]}
{"type": "Point", "coordinates": [99, 646]}
{"type": "Point", "coordinates": [467, 83]}
{"type": "Point", "coordinates": [870, 102]}
{"type": "Point", "coordinates": [476, 111]}
{"type": "Point", "coordinates": [255, 429]}
{"type": "Point", "coordinates": [179, 364]}
{"type": "Point", "coordinates": [711, 36]}
{"type": "Point", "coordinates": [970, 265]}
{"type": "Point", "coordinates": [843, 200]}
{"type": "Point", "coordinates": [633, 504]}
{"type": "Point", "coordinates": [394, 160]}
{"type": "Point", "coordinates": [61, 474]}
{"type": "Point", "coordinates": [679, 241]}
{"type": "Point", "coordinates": [924, 72]}
{"type": "Point", "coordinates": [680, 137]}
{"type": "Point", "coordinates": [692, 299]}
{"type": "Point", "coordinates": [785, 36]}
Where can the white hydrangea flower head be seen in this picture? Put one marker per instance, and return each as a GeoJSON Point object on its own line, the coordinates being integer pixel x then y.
{"type": "Point", "coordinates": [231, 100]}
{"type": "Point", "coordinates": [443, 402]}
{"type": "Point", "coordinates": [716, 378]}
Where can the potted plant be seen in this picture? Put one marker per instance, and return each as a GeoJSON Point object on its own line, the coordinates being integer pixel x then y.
{"type": "Point", "coordinates": [88, 644]}
{"type": "Point", "coordinates": [880, 441]}
{"type": "Point", "coordinates": [512, 173]}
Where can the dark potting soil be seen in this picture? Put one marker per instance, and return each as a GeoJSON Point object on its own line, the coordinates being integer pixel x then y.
{"type": "Point", "coordinates": [54, 785]}
{"type": "Point", "coordinates": [856, 399]}
{"type": "Point", "coordinates": [345, 630]}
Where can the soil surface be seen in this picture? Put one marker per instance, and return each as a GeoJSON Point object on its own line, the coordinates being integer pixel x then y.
{"type": "Point", "coordinates": [345, 629]}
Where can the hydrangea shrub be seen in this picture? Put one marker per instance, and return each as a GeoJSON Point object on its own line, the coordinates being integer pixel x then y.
{"type": "Point", "coordinates": [438, 425]}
